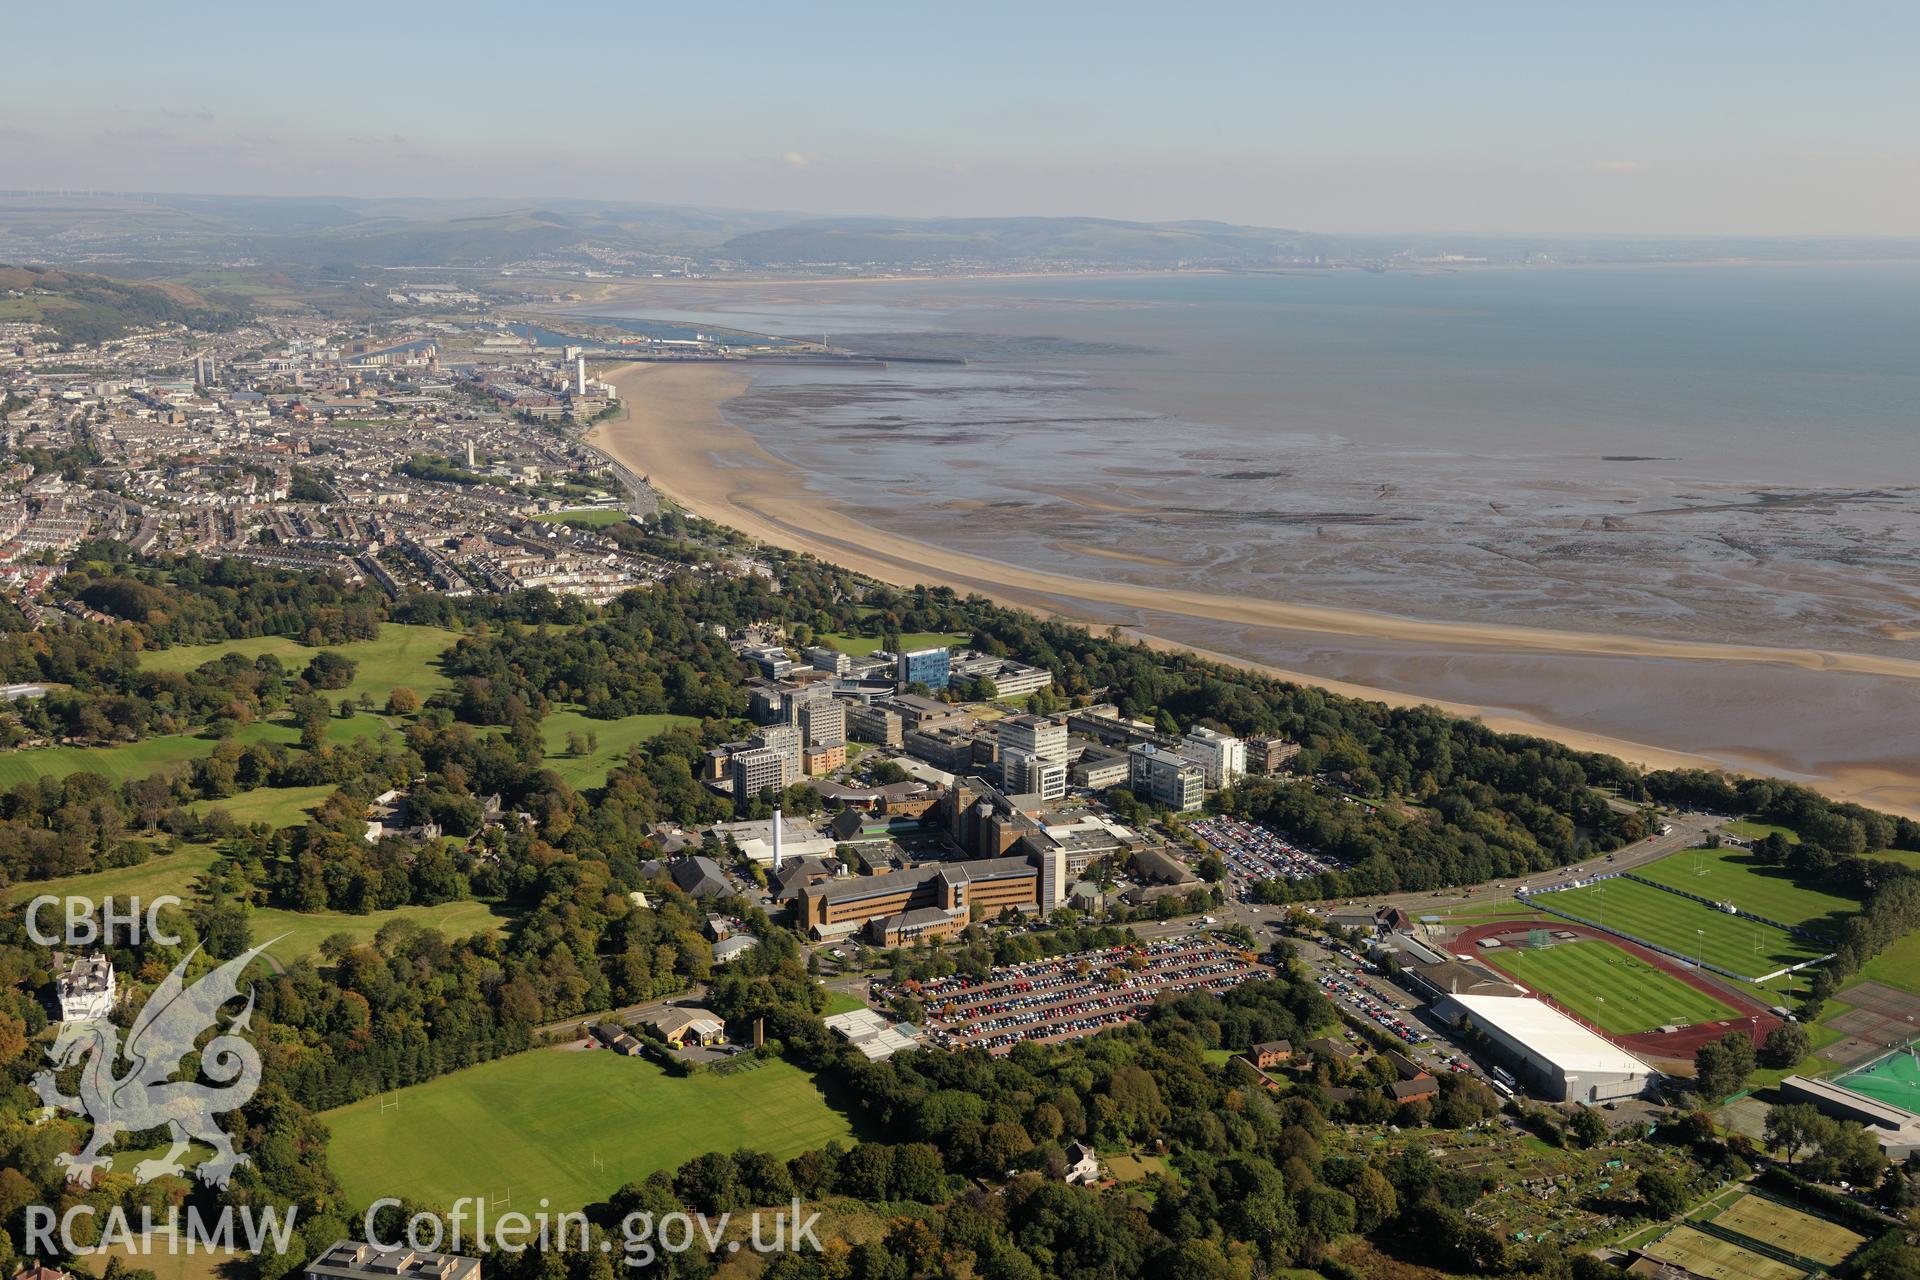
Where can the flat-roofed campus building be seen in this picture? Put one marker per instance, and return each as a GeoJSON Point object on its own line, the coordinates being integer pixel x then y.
{"type": "Point", "coordinates": [1221, 757]}
{"type": "Point", "coordinates": [756, 769]}
{"type": "Point", "coordinates": [874, 1034]}
{"type": "Point", "coordinates": [930, 667]}
{"type": "Point", "coordinates": [1164, 778]}
{"type": "Point", "coordinates": [348, 1260]}
{"type": "Point", "coordinates": [1896, 1129]}
{"type": "Point", "coordinates": [838, 907]}
{"type": "Point", "coordinates": [1550, 1053]}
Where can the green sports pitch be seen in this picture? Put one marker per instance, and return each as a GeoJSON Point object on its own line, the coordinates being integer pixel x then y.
{"type": "Point", "coordinates": [1690, 929]}
{"type": "Point", "coordinates": [1732, 875]}
{"type": "Point", "coordinates": [1608, 986]}
{"type": "Point", "coordinates": [1894, 1079]}
{"type": "Point", "coordinates": [571, 1125]}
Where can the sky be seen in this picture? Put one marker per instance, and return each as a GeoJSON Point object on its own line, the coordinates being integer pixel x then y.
{"type": "Point", "coordinates": [1686, 117]}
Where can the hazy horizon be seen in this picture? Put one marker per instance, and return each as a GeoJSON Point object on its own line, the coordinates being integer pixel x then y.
{"type": "Point", "coordinates": [1715, 120]}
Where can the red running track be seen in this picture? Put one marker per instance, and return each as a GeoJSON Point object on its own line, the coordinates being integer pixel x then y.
{"type": "Point", "coordinates": [1681, 1044]}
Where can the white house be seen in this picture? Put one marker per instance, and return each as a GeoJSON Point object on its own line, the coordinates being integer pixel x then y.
{"type": "Point", "coordinates": [87, 989]}
{"type": "Point", "coordinates": [1083, 1166]}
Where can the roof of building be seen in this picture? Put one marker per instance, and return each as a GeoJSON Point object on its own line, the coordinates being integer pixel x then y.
{"type": "Point", "coordinates": [1424, 1087]}
{"type": "Point", "coordinates": [918, 918]}
{"type": "Point", "coordinates": [1457, 977]}
{"type": "Point", "coordinates": [1552, 1035]}
{"type": "Point", "coordinates": [874, 1034]}
{"type": "Point", "coordinates": [700, 876]}
{"type": "Point", "coordinates": [731, 948]}
{"type": "Point", "coordinates": [350, 1260]}
{"type": "Point", "coordinates": [1162, 867]}
{"type": "Point", "coordinates": [701, 1021]}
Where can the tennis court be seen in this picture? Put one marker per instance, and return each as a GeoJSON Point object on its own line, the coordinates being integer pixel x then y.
{"type": "Point", "coordinates": [1895, 1079]}
{"type": "Point", "coordinates": [1716, 1259]}
{"type": "Point", "coordinates": [1789, 1230]}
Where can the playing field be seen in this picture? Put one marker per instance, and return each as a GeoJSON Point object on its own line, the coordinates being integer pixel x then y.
{"type": "Point", "coordinates": [403, 655]}
{"type": "Point", "coordinates": [861, 646]}
{"type": "Point", "coordinates": [1731, 875]}
{"type": "Point", "coordinates": [1717, 1259]}
{"type": "Point", "coordinates": [571, 1125]}
{"type": "Point", "coordinates": [1894, 1079]}
{"type": "Point", "coordinates": [1789, 1230]}
{"type": "Point", "coordinates": [589, 517]}
{"type": "Point", "coordinates": [1692, 929]}
{"type": "Point", "coordinates": [1608, 987]}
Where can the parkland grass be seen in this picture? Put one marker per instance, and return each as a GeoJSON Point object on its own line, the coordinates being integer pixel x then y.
{"type": "Point", "coordinates": [1733, 875]}
{"type": "Point", "coordinates": [401, 655]}
{"type": "Point", "coordinates": [173, 873]}
{"type": "Point", "coordinates": [305, 930]}
{"type": "Point", "coordinates": [570, 1125]}
{"type": "Point", "coordinates": [1691, 929]}
{"type": "Point", "coordinates": [1609, 987]}
{"type": "Point", "coordinates": [276, 806]}
{"type": "Point", "coordinates": [613, 739]}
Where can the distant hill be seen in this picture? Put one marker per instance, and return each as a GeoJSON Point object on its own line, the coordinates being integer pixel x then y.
{"type": "Point", "coordinates": [902, 242]}
{"type": "Point", "coordinates": [93, 308]}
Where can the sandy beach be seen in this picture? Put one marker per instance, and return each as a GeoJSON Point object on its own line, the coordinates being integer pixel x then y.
{"type": "Point", "coordinates": [673, 432]}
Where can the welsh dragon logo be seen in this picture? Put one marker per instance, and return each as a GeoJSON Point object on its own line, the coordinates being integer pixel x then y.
{"type": "Point", "coordinates": [147, 1097]}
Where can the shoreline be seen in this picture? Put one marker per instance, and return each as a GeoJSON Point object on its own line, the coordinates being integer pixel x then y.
{"type": "Point", "coordinates": [729, 478]}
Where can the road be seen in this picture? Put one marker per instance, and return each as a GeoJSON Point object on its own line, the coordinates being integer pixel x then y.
{"type": "Point", "coordinates": [1688, 830]}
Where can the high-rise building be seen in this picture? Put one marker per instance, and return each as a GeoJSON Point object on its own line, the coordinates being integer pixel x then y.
{"type": "Point", "coordinates": [757, 769]}
{"type": "Point", "coordinates": [785, 739]}
{"type": "Point", "coordinates": [930, 667]}
{"type": "Point", "coordinates": [1221, 757]}
{"type": "Point", "coordinates": [1033, 775]}
{"type": "Point", "coordinates": [580, 376]}
{"type": "Point", "coordinates": [1164, 778]}
{"type": "Point", "coordinates": [1035, 736]}
{"type": "Point", "coordinates": [823, 720]}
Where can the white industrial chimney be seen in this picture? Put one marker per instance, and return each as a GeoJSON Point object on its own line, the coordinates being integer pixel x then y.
{"type": "Point", "coordinates": [777, 824]}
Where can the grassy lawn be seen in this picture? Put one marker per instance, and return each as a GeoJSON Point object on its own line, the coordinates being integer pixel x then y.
{"type": "Point", "coordinates": [152, 755]}
{"type": "Point", "coordinates": [841, 1002]}
{"type": "Point", "coordinates": [861, 646]}
{"type": "Point", "coordinates": [275, 806]}
{"type": "Point", "coordinates": [1731, 875]}
{"type": "Point", "coordinates": [403, 655]}
{"type": "Point", "coordinates": [173, 873]}
{"type": "Point", "coordinates": [593, 518]}
{"type": "Point", "coordinates": [615, 738]}
{"type": "Point", "coordinates": [532, 1125]}
{"type": "Point", "coordinates": [121, 764]}
{"type": "Point", "coordinates": [306, 929]}
{"type": "Point", "coordinates": [1690, 928]}
{"type": "Point", "coordinates": [1610, 988]}
{"type": "Point", "coordinates": [1897, 966]}
{"type": "Point", "coordinates": [1747, 829]}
